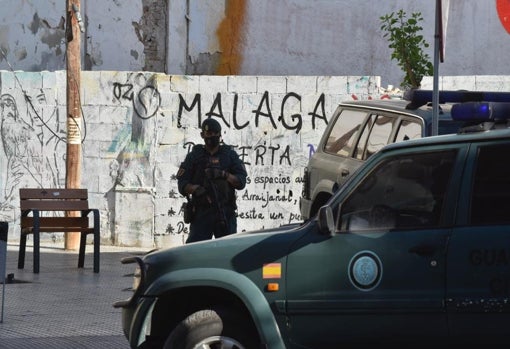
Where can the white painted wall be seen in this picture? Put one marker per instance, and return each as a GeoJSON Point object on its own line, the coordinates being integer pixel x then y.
{"type": "Point", "coordinates": [298, 37]}
{"type": "Point", "coordinates": [137, 129]}
{"type": "Point", "coordinates": [110, 41]}
{"type": "Point", "coordinates": [344, 38]}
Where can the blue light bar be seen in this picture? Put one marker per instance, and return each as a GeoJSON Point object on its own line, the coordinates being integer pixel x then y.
{"type": "Point", "coordinates": [419, 98]}
{"type": "Point", "coordinates": [481, 111]}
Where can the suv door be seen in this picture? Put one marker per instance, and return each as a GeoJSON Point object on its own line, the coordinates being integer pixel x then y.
{"type": "Point", "coordinates": [353, 137]}
{"type": "Point", "coordinates": [340, 143]}
{"type": "Point", "coordinates": [382, 275]}
{"type": "Point", "coordinates": [478, 274]}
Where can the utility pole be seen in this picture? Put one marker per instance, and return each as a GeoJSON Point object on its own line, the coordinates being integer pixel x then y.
{"type": "Point", "coordinates": [441, 19]}
{"type": "Point", "coordinates": [74, 25]}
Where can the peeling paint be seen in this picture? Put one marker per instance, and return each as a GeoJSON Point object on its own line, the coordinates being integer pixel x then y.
{"type": "Point", "coordinates": [151, 31]}
{"type": "Point", "coordinates": [34, 26]}
{"type": "Point", "coordinates": [230, 36]}
{"type": "Point", "coordinates": [204, 63]}
{"type": "Point", "coordinates": [93, 57]}
{"type": "Point", "coordinates": [20, 53]}
{"type": "Point", "coordinates": [51, 36]}
{"type": "Point", "coordinates": [4, 41]}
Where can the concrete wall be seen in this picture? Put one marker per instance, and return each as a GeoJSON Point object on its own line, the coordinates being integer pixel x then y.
{"type": "Point", "coordinates": [137, 128]}
{"type": "Point", "coordinates": [249, 37]}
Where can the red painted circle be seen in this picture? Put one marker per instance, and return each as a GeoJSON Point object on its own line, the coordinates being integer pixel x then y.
{"type": "Point", "coordinates": [503, 7]}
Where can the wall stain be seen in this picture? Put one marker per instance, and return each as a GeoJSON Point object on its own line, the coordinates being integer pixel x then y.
{"type": "Point", "coordinates": [230, 35]}
{"type": "Point", "coordinates": [34, 26]}
{"type": "Point", "coordinates": [204, 64]}
{"type": "Point", "coordinates": [20, 53]}
{"type": "Point", "coordinates": [151, 30]}
{"type": "Point", "coordinates": [51, 36]}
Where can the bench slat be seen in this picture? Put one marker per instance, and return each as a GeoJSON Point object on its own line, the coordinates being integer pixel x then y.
{"type": "Point", "coordinates": [44, 193]}
{"type": "Point", "coordinates": [29, 230]}
{"type": "Point", "coordinates": [54, 205]}
{"type": "Point", "coordinates": [75, 222]}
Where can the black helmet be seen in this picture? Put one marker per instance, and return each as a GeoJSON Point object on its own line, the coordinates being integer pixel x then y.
{"type": "Point", "coordinates": [211, 125]}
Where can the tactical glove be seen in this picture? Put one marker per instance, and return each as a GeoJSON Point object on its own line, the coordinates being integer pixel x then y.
{"type": "Point", "coordinates": [215, 173]}
{"type": "Point", "coordinates": [199, 192]}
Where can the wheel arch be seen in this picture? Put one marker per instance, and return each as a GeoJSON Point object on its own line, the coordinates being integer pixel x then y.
{"type": "Point", "coordinates": [189, 290]}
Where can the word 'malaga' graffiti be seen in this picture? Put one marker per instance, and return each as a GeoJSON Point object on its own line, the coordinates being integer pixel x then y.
{"type": "Point", "coordinates": [292, 122]}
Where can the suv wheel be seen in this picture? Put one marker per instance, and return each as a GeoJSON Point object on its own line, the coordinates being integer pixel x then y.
{"type": "Point", "coordinates": [212, 328]}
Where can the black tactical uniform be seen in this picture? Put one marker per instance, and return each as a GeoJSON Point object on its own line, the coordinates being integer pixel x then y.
{"type": "Point", "coordinates": [205, 175]}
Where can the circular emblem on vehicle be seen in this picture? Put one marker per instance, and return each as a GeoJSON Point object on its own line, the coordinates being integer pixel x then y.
{"type": "Point", "coordinates": [365, 270]}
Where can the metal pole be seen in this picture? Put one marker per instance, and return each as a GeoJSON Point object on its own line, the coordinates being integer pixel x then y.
{"type": "Point", "coordinates": [73, 58]}
{"type": "Point", "coordinates": [435, 88]}
{"type": "Point", "coordinates": [4, 229]}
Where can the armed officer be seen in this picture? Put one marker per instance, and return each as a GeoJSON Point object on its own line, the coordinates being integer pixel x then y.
{"type": "Point", "coordinates": [211, 173]}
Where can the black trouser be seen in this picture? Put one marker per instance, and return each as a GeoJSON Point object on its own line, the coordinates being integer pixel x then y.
{"type": "Point", "coordinates": [206, 224]}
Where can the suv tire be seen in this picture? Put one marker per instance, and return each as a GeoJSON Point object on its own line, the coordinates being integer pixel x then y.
{"type": "Point", "coordinates": [213, 328]}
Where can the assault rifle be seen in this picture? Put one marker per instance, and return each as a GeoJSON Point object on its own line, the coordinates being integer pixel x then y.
{"type": "Point", "coordinates": [219, 206]}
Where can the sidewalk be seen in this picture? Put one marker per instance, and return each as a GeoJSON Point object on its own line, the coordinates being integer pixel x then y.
{"type": "Point", "coordinates": [65, 307]}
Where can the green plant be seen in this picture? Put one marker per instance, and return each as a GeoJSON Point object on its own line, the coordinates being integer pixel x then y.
{"type": "Point", "coordinates": [408, 45]}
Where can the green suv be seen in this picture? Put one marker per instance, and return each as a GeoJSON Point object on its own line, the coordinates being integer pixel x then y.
{"type": "Point", "coordinates": [413, 248]}
{"type": "Point", "coordinates": [358, 129]}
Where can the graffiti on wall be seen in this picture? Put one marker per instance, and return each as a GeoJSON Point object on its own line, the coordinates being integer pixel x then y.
{"type": "Point", "coordinates": [267, 136]}
{"type": "Point", "coordinates": [139, 134]}
{"type": "Point", "coordinates": [32, 143]}
{"type": "Point", "coordinates": [140, 130]}
{"type": "Point", "coordinates": [267, 139]}
{"type": "Point", "coordinates": [136, 160]}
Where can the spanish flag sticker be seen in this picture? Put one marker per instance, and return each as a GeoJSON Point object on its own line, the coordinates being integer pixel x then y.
{"type": "Point", "coordinates": [272, 271]}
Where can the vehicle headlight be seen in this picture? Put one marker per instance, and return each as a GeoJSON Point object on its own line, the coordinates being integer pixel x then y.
{"type": "Point", "coordinates": [137, 277]}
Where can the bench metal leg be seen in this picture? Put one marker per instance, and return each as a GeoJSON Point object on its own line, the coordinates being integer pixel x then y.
{"type": "Point", "coordinates": [96, 251]}
{"type": "Point", "coordinates": [81, 254]}
{"type": "Point", "coordinates": [36, 252]}
{"type": "Point", "coordinates": [22, 248]}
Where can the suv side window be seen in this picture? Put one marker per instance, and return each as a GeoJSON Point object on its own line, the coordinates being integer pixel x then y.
{"type": "Point", "coordinates": [379, 135]}
{"type": "Point", "coordinates": [490, 202]}
{"type": "Point", "coordinates": [344, 132]}
{"type": "Point", "coordinates": [408, 130]}
{"type": "Point", "coordinates": [377, 131]}
{"type": "Point", "coordinates": [403, 192]}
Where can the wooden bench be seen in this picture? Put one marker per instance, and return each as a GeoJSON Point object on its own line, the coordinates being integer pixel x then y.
{"type": "Point", "coordinates": [43, 203]}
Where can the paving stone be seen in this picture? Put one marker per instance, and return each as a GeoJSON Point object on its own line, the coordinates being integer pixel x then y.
{"type": "Point", "coordinates": [63, 306]}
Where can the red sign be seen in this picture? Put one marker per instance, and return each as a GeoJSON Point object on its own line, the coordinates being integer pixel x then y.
{"type": "Point", "coordinates": [503, 7]}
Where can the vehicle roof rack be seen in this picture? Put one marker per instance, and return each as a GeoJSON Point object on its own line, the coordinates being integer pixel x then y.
{"type": "Point", "coordinates": [419, 98]}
